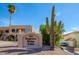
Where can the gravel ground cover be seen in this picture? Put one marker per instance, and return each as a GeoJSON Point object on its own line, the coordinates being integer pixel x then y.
{"type": "Point", "coordinates": [11, 48]}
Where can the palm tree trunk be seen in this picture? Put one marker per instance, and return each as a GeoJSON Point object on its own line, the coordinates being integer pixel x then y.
{"type": "Point", "coordinates": [10, 23]}
{"type": "Point", "coordinates": [10, 20]}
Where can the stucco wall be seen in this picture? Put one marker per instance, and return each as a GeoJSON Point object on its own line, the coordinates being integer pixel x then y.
{"type": "Point", "coordinates": [22, 42]}
{"type": "Point", "coordinates": [74, 36]}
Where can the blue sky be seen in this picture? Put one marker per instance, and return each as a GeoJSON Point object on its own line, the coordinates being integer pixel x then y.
{"type": "Point", "coordinates": [35, 14]}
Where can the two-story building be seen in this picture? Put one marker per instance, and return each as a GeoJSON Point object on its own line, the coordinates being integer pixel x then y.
{"type": "Point", "coordinates": [25, 36]}
{"type": "Point", "coordinates": [14, 30]}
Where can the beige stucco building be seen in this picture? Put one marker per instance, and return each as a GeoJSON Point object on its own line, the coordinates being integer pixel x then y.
{"type": "Point", "coordinates": [25, 35]}
{"type": "Point", "coordinates": [14, 30]}
{"type": "Point", "coordinates": [72, 38]}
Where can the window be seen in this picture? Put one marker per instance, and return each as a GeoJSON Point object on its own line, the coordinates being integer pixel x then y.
{"type": "Point", "coordinates": [27, 30]}
{"type": "Point", "coordinates": [23, 30]}
{"type": "Point", "coordinates": [13, 30]}
{"type": "Point", "coordinates": [30, 42]}
{"type": "Point", "coordinates": [7, 31]}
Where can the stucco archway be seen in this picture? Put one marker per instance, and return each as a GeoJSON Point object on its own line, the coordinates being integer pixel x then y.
{"type": "Point", "coordinates": [11, 37]}
{"type": "Point", "coordinates": [29, 40]}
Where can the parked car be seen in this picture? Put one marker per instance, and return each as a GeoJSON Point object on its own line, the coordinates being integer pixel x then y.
{"type": "Point", "coordinates": [64, 44]}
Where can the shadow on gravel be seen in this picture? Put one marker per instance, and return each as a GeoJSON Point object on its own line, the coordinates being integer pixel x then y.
{"type": "Point", "coordinates": [23, 51]}
{"type": "Point", "coordinates": [31, 51]}
{"type": "Point", "coordinates": [35, 50]}
{"type": "Point", "coordinates": [13, 50]}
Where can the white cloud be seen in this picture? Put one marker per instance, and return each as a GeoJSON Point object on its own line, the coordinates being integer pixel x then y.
{"type": "Point", "coordinates": [67, 32]}
{"type": "Point", "coordinates": [75, 28]}
{"type": "Point", "coordinates": [72, 30]}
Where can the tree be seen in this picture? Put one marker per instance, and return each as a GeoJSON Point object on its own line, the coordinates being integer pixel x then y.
{"type": "Point", "coordinates": [11, 9]}
{"type": "Point", "coordinates": [47, 25]}
{"type": "Point", "coordinates": [43, 32]}
{"type": "Point", "coordinates": [59, 29]}
{"type": "Point", "coordinates": [52, 32]}
{"type": "Point", "coordinates": [45, 36]}
{"type": "Point", "coordinates": [52, 35]}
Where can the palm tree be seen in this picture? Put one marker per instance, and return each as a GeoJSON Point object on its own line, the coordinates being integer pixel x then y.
{"type": "Point", "coordinates": [52, 39]}
{"type": "Point", "coordinates": [11, 9]}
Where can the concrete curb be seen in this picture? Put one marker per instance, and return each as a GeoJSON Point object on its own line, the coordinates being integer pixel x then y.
{"type": "Point", "coordinates": [76, 53]}
{"type": "Point", "coordinates": [68, 52]}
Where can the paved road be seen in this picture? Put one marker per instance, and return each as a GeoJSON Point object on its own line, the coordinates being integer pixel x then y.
{"type": "Point", "coordinates": [10, 48]}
